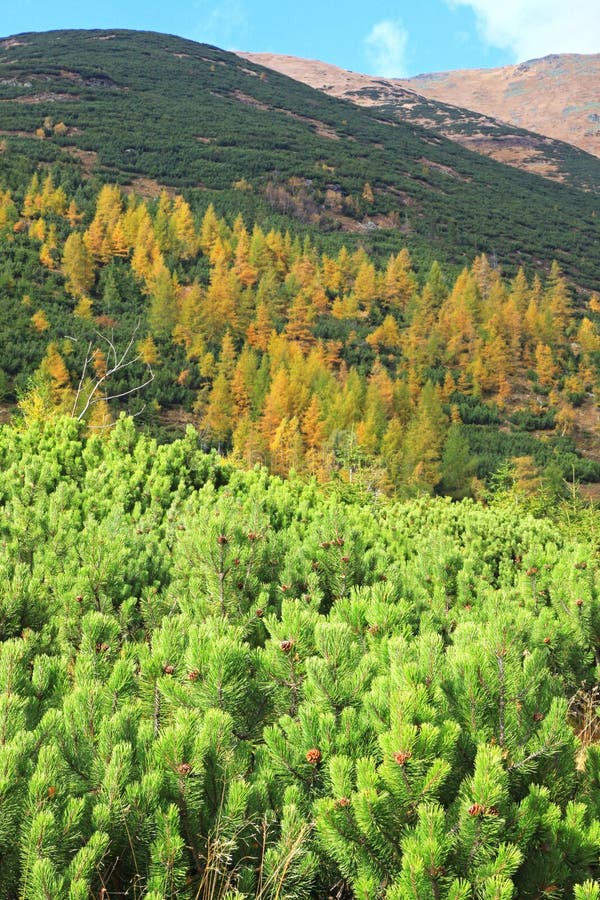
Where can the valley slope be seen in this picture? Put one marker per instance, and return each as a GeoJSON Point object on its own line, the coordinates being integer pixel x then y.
{"type": "Point", "coordinates": [521, 124]}
{"type": "Point", "coordinates": [130, 105]}
{"type": "Point", "coordinates": [272, 306]}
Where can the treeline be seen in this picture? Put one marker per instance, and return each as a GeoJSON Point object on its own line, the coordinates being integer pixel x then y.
{"type": "Point", "coordinates": [288, 356]}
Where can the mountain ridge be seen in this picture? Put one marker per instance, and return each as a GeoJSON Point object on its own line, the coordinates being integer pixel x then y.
{"type": "Point", "coordinates": [504, 89]}
{"type": "Point", "coordinates": [505, 141]}
{"type": "Point", "coordinates": [179, 113]}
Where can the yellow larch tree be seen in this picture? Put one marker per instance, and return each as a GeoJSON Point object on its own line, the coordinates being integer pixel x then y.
{"type": "Point", "coordinates": [77, 265]}
{"type": "Point", "coordinates": [242, 383]}
{"type": "Point", "coordinates": [8, 211]}
{"type": "Point", "coordinates": [277, 405]}
{"type": "Point", "coordinates": [220, 307]}
{"type": "Point", "coordinates": [259, 331]}
{"type": "Point", "coordinates": [73, 215]}
{"type": "Point", "coordinates": [423, 442]}
{"type": "Point", "coordinates": [99, 237]}
{"type": "Point", "coordinates": [279, 249]}
{"type": "Point", "coordinates": [286, 448]}
{"type": "Point", "coordinates": [399, 283]}
{"type": "Point", "coordinates": [386, 336]}
{"type": "Point", "coordinates": [37, 229]}
{"type": "Point", "coordinates": [545, 366]}
{"type": "Point", "coordinates": [32, 202]}
{"type": "Point", "coordinates": [162, 313]}
{"type": "Point", "coordinates": [146, 253]}
{"type": "Point", "coordinates": [248, 445]}
{"type": "Point", "coordinates": [52, 200]}
{"type": "Point", "coordinates": [148, 351]}
{"type": "Point", "coordinates": [218, 417]}
{"type": "Point", "coordinates": [48, 254]}
{"type": "Point", "coordinates": [40, 321]}
{"type": "Point", "coordinates": [246, 273]}
{"type": "Point", "coordinates": [300, 317]}
{"type": "Point", "coordinates": [188, 329]}
{"type": "Point", "coordinates": [588, 338]}
{"type": "Point", "coordinates": [210, 230]}
{"type": "Point", "coordinates": [53, 368]}
{"type": "Point", "coordinates": [84, 309]}
{"type": "Point", "coordinates": [162, 224]}
{"type": "Point", "coordinates": [184, 229]}
{"type": "Point", "coordinates": [366, 288]}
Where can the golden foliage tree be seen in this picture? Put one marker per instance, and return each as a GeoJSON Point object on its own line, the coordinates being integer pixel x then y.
{"type": "Point", "coordinates": [77, 265]}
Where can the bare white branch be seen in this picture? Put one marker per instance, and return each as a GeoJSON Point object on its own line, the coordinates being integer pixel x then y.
{"type": "Point", "coordinates": [117, 361]}
{"type": "Point", "coordinates": [81, 380]}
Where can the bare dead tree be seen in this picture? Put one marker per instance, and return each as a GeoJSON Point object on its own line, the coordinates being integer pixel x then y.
{"type": "Point", "coordinates": [88, 395]}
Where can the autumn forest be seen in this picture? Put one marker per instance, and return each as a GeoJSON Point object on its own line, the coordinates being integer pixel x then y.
{"type": "Point", "coordinates": [290, 357]}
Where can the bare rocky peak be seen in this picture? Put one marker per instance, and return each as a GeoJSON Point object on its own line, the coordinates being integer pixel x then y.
{"type": "Point", "coordinates": [557, 95]}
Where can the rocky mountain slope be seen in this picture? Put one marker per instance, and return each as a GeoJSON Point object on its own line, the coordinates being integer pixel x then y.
{"type": "Point", "coordinates": [511, 115]}
{"type": "Point", "coordinates": [557, 95]}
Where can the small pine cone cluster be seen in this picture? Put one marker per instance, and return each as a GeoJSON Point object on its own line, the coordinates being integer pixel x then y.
{"type": "Point", "coordinates": [342, 802]}
{"type": "Point", "coordinates": [478, 809]}
{"type": "Point", "coordinates": [184, 769]}
{"type": "Point", "coordinates": [286, 646]}
{"type": "Point", "coordinates": [313, 756]}
{"type": "Point", "coordinates": [168, 669]}
{"type": "Point", "coordinates": [402, 757]}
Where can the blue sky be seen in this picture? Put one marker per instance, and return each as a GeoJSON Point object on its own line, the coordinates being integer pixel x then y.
{"type": "Point", "coordinates": [383, 38]}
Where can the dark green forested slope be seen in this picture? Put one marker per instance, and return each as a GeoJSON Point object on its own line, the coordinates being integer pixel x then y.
{"type": "Point", "coordinates": [190, 115]}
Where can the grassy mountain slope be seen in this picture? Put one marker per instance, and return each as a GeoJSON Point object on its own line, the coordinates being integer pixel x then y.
{"type": "Point", "coordinates": [137, 104]}
{"type": "Point", "coordinates": [539, 154]}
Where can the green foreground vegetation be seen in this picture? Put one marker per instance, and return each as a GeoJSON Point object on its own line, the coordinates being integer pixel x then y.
{"type": "Point", "coordinates": [220, 684]}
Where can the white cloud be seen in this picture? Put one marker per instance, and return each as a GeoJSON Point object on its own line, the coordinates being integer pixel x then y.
{"type": "Point", "coordinates": [386, 48]}
{"type": "Point", "coordinates": [533, 28]}
{"type": "Point", "coordinates": [221, 24]}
